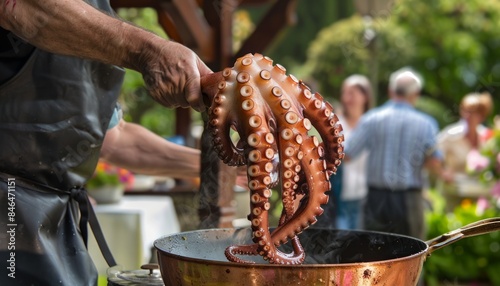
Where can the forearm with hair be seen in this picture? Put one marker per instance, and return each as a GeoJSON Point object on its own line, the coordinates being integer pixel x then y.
{"type": "Point", "coordinates": [73, 27]}
{"type": "Point", "coordinates": [434, 165]}
{"type": "Point", "coordinates": [133, 147]}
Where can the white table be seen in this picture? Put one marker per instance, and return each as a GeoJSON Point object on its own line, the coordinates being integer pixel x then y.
{"type": "Point", "coordinates": [130, 227]}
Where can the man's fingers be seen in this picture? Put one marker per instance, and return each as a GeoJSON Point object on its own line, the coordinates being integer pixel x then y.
{"type": "Point", "coordinates": [202, 67]}
{"type": "Point", "coordinates": [204, 70]}
{"type": "Point", "coordinates": [193, 95]}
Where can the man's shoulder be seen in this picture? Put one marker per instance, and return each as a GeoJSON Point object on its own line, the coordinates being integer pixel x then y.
{"type": "Point", "coordinates": [375, 112]}
{"type": "Point", "coordinates": [424, 117]}
{"type": "Point", "coordinates": [407, 113]}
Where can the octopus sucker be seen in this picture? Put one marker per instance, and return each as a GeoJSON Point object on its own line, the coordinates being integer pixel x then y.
{"type": "Point", "coordinates": [269, 167]}
{"type": "Point", "coordinates": [281, 69]}
{"type": "Point", "coordinates": [291, 117]}
{"type": "Point", "coordinates": [307, 93]}
{"type": "Point", "coordinates": [227, 72]}
{"type": "Point", "coordinates": [272, 112]}
{"type": "Point", "coordinates": [288, 174]}
{"type": "Point", "coordinates": [246, 90]}
{"type": "Point", "coordinates": [269, 153]}
{"type": "Point", "coordinates": [299, 139]}
{"type": "Point", "coordinates": [270, 138]}
{"type": "Point", "coordinates": [268, 60]}
{"type": "Point", "coordinates": [265, 74]}
{"type": "Point", "coordinates": [247, 105]}
{"type": "Point", "coordinates": [293, 79]}
{"type": "Point", "coordinates": [276, 91]}
{"type": "Point", "coordinates": [246, 61]}
{"type": "Point", "coordinates": [285, 104]}
{"type": "Point", "coordinates": [286, 134]}
{"type": "Point", "coordinates": [253, 140]}
{"type": "Point", "coordinates": [221, 85]}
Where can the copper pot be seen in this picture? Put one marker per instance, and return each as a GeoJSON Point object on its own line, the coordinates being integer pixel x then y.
{"type": "Point", "coordinates": [334, 257]}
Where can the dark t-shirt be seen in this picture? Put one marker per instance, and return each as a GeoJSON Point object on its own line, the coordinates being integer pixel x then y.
{"type": "Point", "coordinates": [14, 53]}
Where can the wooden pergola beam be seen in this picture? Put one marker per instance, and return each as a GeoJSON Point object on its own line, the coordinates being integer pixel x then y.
{"type": "Point", "coordinates": [191, 25]}
{"type": "Point", "coordinates": [281, 14]}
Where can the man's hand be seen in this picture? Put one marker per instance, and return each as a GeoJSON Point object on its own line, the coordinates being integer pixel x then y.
{"type": "Point", "coordinates": [172, 74]}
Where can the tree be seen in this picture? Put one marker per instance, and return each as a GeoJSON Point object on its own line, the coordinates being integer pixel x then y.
{"type": "Point", "coordinates": [290, 48]}
{"type": "Point", "coordinates": [452, 43]}
{"type": "Point", "coordinates": [457, 45]}
{"type": "Point", "coordinates": [346, 47]}
{"type": "Point", "coordinates": [139, 106]}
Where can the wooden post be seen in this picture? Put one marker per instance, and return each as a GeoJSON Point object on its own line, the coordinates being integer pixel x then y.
{"type": "Point", "coordinates": [217, 179]}
{"type": "Point", "coordinates": [216, 187]}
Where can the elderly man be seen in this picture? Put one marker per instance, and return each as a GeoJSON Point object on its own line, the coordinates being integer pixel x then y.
{"type": "Point", "coordinates": [401, 141]}
{"type": "Point", "coordinates": [58, 85]}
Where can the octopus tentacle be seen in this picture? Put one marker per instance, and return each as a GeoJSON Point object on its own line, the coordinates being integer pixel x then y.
{"type": "Point", "coordinates": [273, 112]}
{"type": "Point", "coordinates": [326, 123]}
{"type": "Point", "coordinates": [317, 179]}
{"type": "Point", "coordinates": [232, 251]}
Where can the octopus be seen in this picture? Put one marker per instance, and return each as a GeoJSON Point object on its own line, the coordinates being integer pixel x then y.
{"type": "Point", "coordinates": [273, 113]}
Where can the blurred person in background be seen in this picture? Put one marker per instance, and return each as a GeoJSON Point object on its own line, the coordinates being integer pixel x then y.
{"type": "Point", "coordinates": [460, 143]}
{"type": "Point", "coordinates": [356, 99]}
{"type": "Point", "coordinates": [401, 141]}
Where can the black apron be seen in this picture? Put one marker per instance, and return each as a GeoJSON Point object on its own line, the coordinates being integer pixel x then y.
{"type": "Point", "coordinates": [53, 117]}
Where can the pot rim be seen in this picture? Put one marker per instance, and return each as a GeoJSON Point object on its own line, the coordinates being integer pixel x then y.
{"type": "Point", "coordinates": [281, 266]}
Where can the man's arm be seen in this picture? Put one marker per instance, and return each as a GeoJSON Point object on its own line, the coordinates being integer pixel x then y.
{"type": "Point", "coordinates": [433, 154]}
{"type": "Point", "coordinates": [137, 149]}
{"type": "Point", "coordinates": [73, 27]}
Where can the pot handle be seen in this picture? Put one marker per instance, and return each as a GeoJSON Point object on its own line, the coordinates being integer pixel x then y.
{"type": "Point", "coordinates": [476, 228]}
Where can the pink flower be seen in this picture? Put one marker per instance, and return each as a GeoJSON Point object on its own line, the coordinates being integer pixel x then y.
{"type": "Point", "coordinates": [497, 167]}
{"type": "Point", "coordinates": [476, 161]}
{"type": "Point", "coordinates": [495, 191]}
{"type": "Point", "coordinates": [481, 205]}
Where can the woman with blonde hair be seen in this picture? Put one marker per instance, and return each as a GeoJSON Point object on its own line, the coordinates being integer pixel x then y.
{"type": "Point", "coordinates": [461, 140]}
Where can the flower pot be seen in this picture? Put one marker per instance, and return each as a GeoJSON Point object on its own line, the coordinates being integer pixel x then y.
{"type": "Point", "coordinates": [107, 194]}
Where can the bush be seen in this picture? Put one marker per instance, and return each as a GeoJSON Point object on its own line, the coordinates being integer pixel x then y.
{"type": "Point", "coordinates": [475, 259]}
{"type": "Point", "coordinates": [343, 49]}
{"type": "Point", "coordinates": [452, 43]}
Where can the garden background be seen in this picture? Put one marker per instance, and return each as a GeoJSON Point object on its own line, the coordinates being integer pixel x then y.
{"type": "Point", "coordinates": [454, 44]}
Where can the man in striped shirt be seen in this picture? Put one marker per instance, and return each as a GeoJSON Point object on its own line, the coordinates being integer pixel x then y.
{"type": "Point", "coordinates": [401, 142]}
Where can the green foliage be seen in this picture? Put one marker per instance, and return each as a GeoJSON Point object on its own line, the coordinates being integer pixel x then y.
{"type": "Point", "coordinates": [343, 49]}
{"type": "Point", "coordinates": [452, 43]}
{"type": "Point", "coordinates": [109, 175]}
{"type": "Point", "coordinates": [101, 179]}
{"type": "Point", "coordinates": [243, 26]}
{"type": "Point", "coordinates": [456, 43]}
{"type": "Point", "coordinates": [491, 151]}
{"type": "Point", "coordinates": [146, 18]}
{"type": "Point", "coordinates": [471, 259]}
{"type": "Point", "coordinates": [289, 49]}
{"type": "Point", "coordinates": [437, 110]}
{"type": "Point", "coordinates": [138, 105]}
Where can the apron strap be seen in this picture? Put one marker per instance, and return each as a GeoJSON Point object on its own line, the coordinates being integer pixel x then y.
{"type": "Point", "coordinates": [87, 214]}
{"type": "Point", "coordinates": [79, 194]}
{"type": "Point", "coordinates": [99, 237]}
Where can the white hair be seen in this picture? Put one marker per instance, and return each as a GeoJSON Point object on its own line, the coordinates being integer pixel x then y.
{"type": "Point", "coordinates": [405, 81]}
